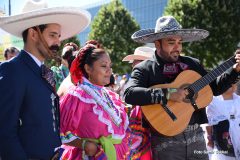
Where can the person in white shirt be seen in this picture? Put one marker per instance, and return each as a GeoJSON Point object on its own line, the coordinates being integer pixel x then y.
{"type": "Point", "coordinates": [224, 125]}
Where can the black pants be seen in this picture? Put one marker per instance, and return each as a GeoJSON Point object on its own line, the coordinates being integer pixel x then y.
{"type": "Point", "coordinates": [189, 145]}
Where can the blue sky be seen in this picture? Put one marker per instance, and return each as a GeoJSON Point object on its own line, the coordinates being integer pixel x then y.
{"type": "Point", "coordinates": [17, 5]}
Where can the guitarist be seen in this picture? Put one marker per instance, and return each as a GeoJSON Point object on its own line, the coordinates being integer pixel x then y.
{"type": "Point", "coordinates": [164, 67]}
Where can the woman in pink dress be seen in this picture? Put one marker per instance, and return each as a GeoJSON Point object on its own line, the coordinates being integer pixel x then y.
{"type": "Point", "coordinates": [94, 124]}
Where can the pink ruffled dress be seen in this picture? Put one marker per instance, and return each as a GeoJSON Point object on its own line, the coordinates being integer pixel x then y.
{"type": "Point", "coordinates": [90, 111]}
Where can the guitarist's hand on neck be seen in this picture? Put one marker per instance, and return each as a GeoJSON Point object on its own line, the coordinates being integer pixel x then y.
{"type": "Point", "coordinates": [236, 66]}
{"type": "Point", "coordinates": [179, 95]}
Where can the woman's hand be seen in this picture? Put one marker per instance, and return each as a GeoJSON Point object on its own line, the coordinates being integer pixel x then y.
{"type": "Point", "coordinates": [90, 148]}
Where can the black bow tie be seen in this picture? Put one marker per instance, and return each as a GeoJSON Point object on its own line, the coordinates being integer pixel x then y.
{"type": "Point", "coordinates": [47, 74]}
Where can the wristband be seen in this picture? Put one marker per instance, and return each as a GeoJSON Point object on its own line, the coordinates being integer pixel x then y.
{"type": "Point", "coordinates": [83, 148]}
{"type": "Point", "coordinates": [83, 144]}
{"type": "Point", "coordinates": [169, 91]}
{"type": "Point", "coordinates": [167, 95]}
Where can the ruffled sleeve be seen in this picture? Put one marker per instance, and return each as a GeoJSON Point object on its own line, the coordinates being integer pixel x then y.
{"type": "Point", "coordinates": [116, 98]}
{"type": "Point", "coordinates": [70, 115]}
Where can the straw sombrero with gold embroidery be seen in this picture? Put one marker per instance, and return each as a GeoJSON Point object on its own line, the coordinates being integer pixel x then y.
{"type": "Point", "coordinates": [168, 26]}
{"type": "Point", "coordinates": [72, 20]}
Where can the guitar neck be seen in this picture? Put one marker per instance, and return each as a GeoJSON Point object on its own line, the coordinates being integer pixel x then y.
{"type": "Point", "coordinates": [211, 76]}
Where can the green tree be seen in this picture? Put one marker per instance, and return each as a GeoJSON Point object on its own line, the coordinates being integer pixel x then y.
{"type": "Point", "coordinates": [113, 27]}
{"type": "Point", "coordinates": [57, 63]}
{"type": "Point", "coordinates": [219, 17]}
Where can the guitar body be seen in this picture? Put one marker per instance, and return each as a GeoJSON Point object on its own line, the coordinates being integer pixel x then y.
{"type": "Point", "coordinates": [158, 117]}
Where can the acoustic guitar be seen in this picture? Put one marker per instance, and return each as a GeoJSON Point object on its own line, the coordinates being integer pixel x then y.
{"type": "Point", "coordinates": [173, 118]}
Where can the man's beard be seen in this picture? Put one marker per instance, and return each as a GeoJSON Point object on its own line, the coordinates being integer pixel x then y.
{"type": "Point", "coordinates": [167, 56]}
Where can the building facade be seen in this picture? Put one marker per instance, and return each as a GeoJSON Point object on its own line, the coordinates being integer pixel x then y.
{"type": "Point", "coordinates": [145, 13]}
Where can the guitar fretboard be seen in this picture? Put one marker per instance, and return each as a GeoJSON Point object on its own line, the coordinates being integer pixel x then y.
{"type": "Point", "coordinates": [211, 76]}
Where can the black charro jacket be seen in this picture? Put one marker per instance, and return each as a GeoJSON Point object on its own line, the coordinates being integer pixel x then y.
{"type": "Point", "coordinates": [149, 73]}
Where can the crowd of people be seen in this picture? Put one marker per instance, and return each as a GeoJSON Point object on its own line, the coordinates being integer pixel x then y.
{"type": "Point", "coordinates": [81, 109]}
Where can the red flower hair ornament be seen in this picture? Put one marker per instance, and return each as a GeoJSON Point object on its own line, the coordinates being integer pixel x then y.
{"type": "Point", "coordinates": [76, 73]}
{"type": "Point", "coordinates": [76, 70]}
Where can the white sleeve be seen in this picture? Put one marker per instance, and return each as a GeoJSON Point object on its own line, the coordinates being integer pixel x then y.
{"type": "Point", "coordinates": [214, 111]}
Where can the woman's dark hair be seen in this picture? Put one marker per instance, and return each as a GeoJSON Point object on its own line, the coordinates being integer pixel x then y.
{"type": "Point", "coordinates": [86, 55]}
{"type": "Point", "coordinates": [70, 54]}
{"type": "Point", "coordinates": [10, 50]}
{"type": "Point", "coordinates": [112, 81]}
{"type": "Point", "coordinates": [25, 33]}
{"type": "Point", "coordinates": [94, 42]}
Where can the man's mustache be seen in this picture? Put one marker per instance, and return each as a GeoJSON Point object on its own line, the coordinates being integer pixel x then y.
{"type": "Point", "coordinates": [54, 47]}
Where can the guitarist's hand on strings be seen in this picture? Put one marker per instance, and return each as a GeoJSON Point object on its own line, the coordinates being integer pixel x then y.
{"type": "Point", "coordinates": [236, 66]}
{"type": "Point", "coordinates": [178, 96]}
